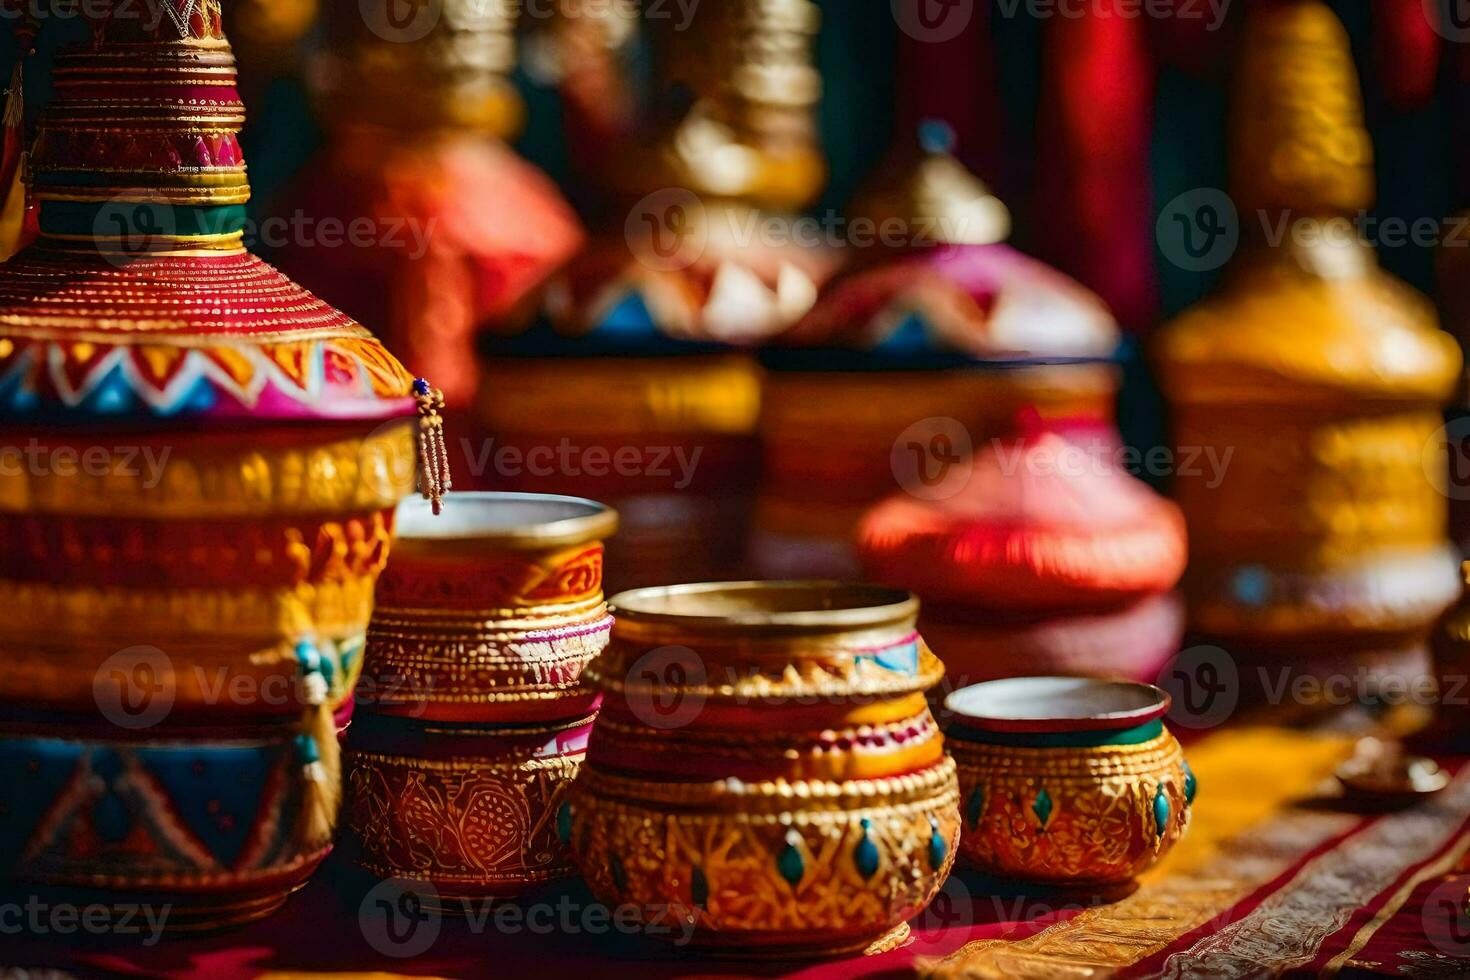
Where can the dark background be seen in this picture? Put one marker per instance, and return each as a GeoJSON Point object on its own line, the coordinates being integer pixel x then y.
{"type": "Point", "coordinates": [858, 54]}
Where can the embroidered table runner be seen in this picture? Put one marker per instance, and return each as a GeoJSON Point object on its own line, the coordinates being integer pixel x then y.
{"type": "Point", "coordinates": [1272, 879]}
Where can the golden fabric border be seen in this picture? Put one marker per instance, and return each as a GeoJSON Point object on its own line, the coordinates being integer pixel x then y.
{"type": "Point", "coordinates": [1202, 878]}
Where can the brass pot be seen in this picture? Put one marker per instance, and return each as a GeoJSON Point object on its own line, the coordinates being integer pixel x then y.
{"type": "Point", "coordinates": [766, 772]}
{"type": "Point", "coordinates": [1067, 781]}
{"type": "Point", "coordinates": [475, 718]}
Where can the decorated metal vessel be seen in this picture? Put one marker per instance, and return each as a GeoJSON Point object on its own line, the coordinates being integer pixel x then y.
{"type": "Point", "coordinates": [766, 769]}
{"type": "Point", "coordinates": [1067, 781]}
{"type": "Point", "coordinates": [443, 229]}
{"type": "Point", "coordinates": [633, 387]}
{"type": "Point", "coordinates": [188, 595]}
{"type": "Point", "coordinates": [473, 717]}
{"type": "Point", "coordinates": [1040, 556]}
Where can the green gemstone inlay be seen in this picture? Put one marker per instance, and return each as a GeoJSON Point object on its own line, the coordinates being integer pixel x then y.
{"type": "Point", "coordinates": [975, 807]}
{"type": "Point", "coordinates": [790, 862]}
{"type": "Point", "coordinates": [1191, 784]}
{"type": "Point", "coordinates": [1042, 807]}
{"type": "Point", "coordinates": [1161, 811]}
{"type": "Point", "coordinates": [938, 849]}
{"type": "Point", "coordinates": [564, 823]}
{"type": "Point", "coordinates": [866, 852]}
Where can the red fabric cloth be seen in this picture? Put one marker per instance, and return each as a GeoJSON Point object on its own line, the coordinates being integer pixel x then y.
{"type": "Point", "coordinates": [956, 80]}
{"type": "Point", "coordinates": [1407, 48]}
{"type": "Point", "coordinates": [1093, 215]}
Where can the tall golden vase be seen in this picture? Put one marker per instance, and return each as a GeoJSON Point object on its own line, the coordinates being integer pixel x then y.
{"type": "Point", "coordinates": [1317, 378]}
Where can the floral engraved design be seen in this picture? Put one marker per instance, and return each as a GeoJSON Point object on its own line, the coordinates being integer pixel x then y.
{"type": "Point", "coordinates": [473, 821]}
{"type": "Point", "coordinates": [1102, 823]}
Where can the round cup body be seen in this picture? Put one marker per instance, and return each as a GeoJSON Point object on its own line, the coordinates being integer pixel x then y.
{"type": "Point", "coordinates": [474, 716]}
{"type": "Point", "coordinates": [469, 809]}
{"type": "Point", "coordinates": [766, 775]}
{"type": "Point", "coordinates": [1067, 781]}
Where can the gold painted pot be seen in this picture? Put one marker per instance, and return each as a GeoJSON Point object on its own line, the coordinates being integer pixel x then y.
{"type": "Point", "coordinates": [490, 611]}
{"type": "Point", "coordinates": [470, 809]}
{"type": "Point", "coordinates": [474, 715]}
{"type": "Point", "coordinates": [1067, 781]}
{"type": "Point", "coordinates": [766, 771]}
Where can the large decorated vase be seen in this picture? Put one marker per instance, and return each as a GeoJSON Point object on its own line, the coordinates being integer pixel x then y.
{"type": "Point", "coordinates": [931, 341]}
{"type": "Point", "coordinates": [208, 457]}
{"type": "Point", "coordinates": [1320, 378]}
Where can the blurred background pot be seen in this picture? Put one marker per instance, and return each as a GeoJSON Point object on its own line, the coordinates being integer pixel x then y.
{"type": "Point", "coordinates": [932, 344]}
{"type": "Point", "coordinates": [1045, 556]}
{"type": "Point", "coordinates": [1324, 545]}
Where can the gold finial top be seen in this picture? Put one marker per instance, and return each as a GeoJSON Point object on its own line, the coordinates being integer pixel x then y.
{"type": "Point", "coordinates": [408, 67]}
{"type": "Point", "coordinates": [936, 198]}
{"type": "Point", "coordinates": [751, 134]}
{"type": "Point", "coordinates": [1298, 139]}
{"type": "Point", "coordinates": [1309, 319]}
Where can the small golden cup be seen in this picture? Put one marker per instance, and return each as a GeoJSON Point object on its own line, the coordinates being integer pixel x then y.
{"type": "Point", "coordinates": [1069, 781]}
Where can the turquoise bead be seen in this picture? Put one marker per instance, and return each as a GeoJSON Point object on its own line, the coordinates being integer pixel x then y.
{"type": "Point", "coordinates": [1042, 807]}
{"type": "Point", "coordinates": [564, 823]}
{"type": "Point", "coordinates": [938, 849]}
{"type": "Point", "coordinates": [790, 862]}
{"type": "Point", "coordinates": [975, 807]}
{"type": "Point", "coordinates": [866, 852]}
{"type": "Point", "coordinates": [1161, 811]}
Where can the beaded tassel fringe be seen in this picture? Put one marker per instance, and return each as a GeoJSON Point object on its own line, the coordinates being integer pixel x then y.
{"type": "Point", "coordinates": [318, 753]}
{"type": "Point", "coordinates": [434, 480]}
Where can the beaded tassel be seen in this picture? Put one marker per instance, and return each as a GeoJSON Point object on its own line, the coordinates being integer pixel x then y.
{"type": "Point", "coordinates": [317, 752]}
{"type": "Point", "coordinates": [434, 481]}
